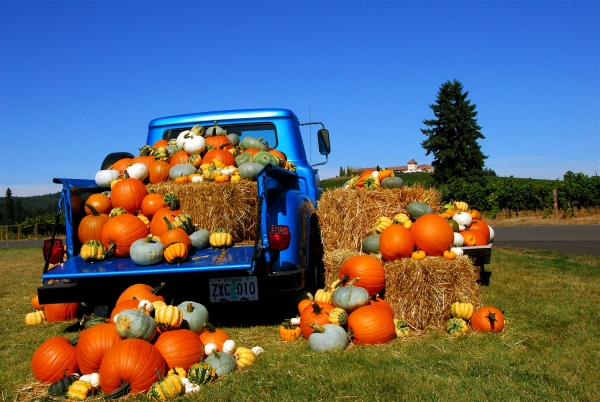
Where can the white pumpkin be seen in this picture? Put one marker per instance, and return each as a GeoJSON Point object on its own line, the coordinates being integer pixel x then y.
{"type": "Point", "coordinates": [295, 321]}
{"type": "Point", "coordinates": [197, 179]}
{"type": "Point", "coordinates": [459, 240]}
{"type": "Point", "coordinates": [491, 234]}
{"type": "Point", "coordinates": [463, 218]}
{"type": "Point", "coordinates": [193, 144]}
{"type": "Point", "coordinates": [137, 171]}
{"type": "Point", "coordinates": [229, 346]}
{"type": "Point", "coordinates": [257, 350]}
{"type": "Point", "coordinates": [458, 251]}
{"type": "Point", "coordinates": [93, 379]}
{"type": "Point", "coordinates": [182, 137]}
{"type": "Point", "coordinates": [103, 178]}
{"type": "Point", "coordinates": [146, 306]}
{"type": "Point", "coordinates": [210, 348]}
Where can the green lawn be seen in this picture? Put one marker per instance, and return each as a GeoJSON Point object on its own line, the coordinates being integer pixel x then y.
{"type": "Point", "coordinates": [548, 351]}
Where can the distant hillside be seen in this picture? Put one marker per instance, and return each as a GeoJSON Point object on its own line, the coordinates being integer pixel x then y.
{"type": "Point", "coordinates": [35, 205]}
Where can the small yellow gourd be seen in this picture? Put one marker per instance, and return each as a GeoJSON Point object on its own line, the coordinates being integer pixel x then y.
{"type": "Point", "coordinates": [220, 238]}
{"type": "Point", "coordinates": [461, 310]}
{"type": "Point", "coordinates": [382, 223]}
{"type": "Point", "coordinates": [35, 318]}
{"type": "Point", "coordinates": [168, 317]}
{"type": "Point", "coordinates": [245, 357]}
{"type": "Point", "coordinates": [79, 390]}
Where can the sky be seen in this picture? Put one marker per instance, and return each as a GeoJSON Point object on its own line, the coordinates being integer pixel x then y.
{"type": "Point", "coordinates": [82, 79]}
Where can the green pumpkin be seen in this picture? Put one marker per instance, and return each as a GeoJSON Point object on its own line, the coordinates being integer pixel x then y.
{"type": "Point", "coordinates": [195, 316]}
{"type": "Point", "coordinates": [264, 158]}
{"type": "Point", "coordinates": [454, 225]}
{"type": "Point", "coordinates": [350, 297]}
{"type": "Point", "coordinates": [370, 244]}
{"type": "Point", "coordinates": [250, 142]}
{"type": "Point", "coordinates": [328, 338]}
{"type": "Point", "coordinates": [146, 251]}
{"type": "Point", "coordinates": [223, 363]}
{"type": "Point", "coordinates": [392, 182]}
{"type": "Point", "coordinates": [243, 158]}
{"type": "Point", "coordinates": [234, 138]}
{"type": "Point", "coordinates": [200, 239]}
{"type": "Point", "coordinates": [417, 209]}
{"type": "Point", "coordinates": [135, 324]}
{"type": "Point", "coordinates": [250, 170]}
{"type": "Point", "coordinates": [201, 373]}
{"type": "Point", "coordinates": [181, 169]}
{"type": "Point", "coordinates": [61, 386]}
{"type": "Point", "coordinates": [184, 221]}
{"type": "Point", "coordinates": [94, 320]}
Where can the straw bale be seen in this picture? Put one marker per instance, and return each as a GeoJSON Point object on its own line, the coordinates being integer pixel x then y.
{"type": "Point", "coordinates": [419, 291]}
{"type": "Point", "coordinates": [346, 216]}
{"type": "Point", "coordinates": [232, 206]}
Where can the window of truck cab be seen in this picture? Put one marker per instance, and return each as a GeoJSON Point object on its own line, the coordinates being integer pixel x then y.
{"type": "Point", "coordinates": [266, 131]}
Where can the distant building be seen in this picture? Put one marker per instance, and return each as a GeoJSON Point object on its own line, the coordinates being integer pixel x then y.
{"type": "Point", "coordinates": [411, 167]}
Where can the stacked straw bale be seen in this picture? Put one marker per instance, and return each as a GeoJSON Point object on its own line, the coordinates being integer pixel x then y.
{"type": "Point", "coordinates": [420, 292]}
{"type": "Point", "coordinates": [232, 206]}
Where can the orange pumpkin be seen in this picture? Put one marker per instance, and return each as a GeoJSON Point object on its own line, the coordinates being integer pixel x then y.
{"type": "Point", "coordinates": [56, 312]}
{"type": "Point", "coordinates": [218, 141]}
{"type": "Point", "coordinates": [141, 291]}
{"type": "Point", "coordinates": [100, 202]}
{"type": "Point", "coordinates": [122, 230]}
{"type": "Point", "coordinates": [474, 237]}
{"type": "Point", "coordinates": [160, 143]}
{"type": "Point", "coordinates": [371, 325]}
{"type": "Point", "coordinates": [224, 156]}
{"type": "Point", "coordinates": [214, 335]}
{"type": "Point", "coordinates": [396, 242]}
{"type": "Point", "coordinates": [483, 227]}
{"type": "Point", "coordinates": [432, 234]}
{"type": "Point", "coordinates": [90, 227]}
{"type": "Point", "coordinates": [316, 313]}
{"type": "Point", "coordinates": [158, 225]}
{"type": "Point", "coordinates": [179, 157]}
{"type": "Point", "coordinates": [158, 172]}
{"type": "Point", "coordinates": [488, 319]}
{"type": "Point", "coordinates": [152, 203]}
{"type": "Point", "coordinates": [128, 194]}
{"type": "Point", "coordinates": [121, 165]}
{"type": "Point", "coordinates": [368, 269]}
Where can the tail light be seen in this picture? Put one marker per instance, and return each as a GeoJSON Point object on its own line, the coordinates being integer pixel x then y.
{"type": "Point", "coordinates": [279, 237]}
{"type": "Point", "coordinates": [57, 253]}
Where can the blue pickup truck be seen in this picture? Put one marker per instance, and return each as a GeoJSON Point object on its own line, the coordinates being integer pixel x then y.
{"type": "Point", "coordinates": [286, 253]}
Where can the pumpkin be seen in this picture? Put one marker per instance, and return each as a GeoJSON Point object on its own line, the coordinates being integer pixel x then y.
{"type": "Point", "coordinates": [382, 223]}
{"type": "Point", "coordinates": [181, 348]}
{"type": "Point", "coordinates": [60, 387]}
{"type": "Point", "coordinates": [401, 327]}
{"type": "Point", "coordinates": [181, 170]}
{"type": "Point", "coordinates": [200, 239]}
{"type": "Point", "coordinates": [175, 252]}
{"type": "Point", "coordinates": [158, 225]}
{"type": "Point", "coordinates": [417, 209]}
{"type": "Point", "coordinates": [174, 234]}
{"type": "Point", "coordinates": [216, 142]}
{"type": "Point", "coordinates": [168, 317]}
{"type": "Point", "coordinates": [35, 318]}
{"type": "Point", "coordinates": [79, 390]}
{"type": "Point", "coordinates": [90, 227]}
{"type": "Point", "coordinates": [185, 222]}
{"type": "Point", "coordinates": [128, 194]}
{"type": "Point", "coordinates": [93, 379]}
{"type": "Point", "coordinates": [130, 366]}
{"type": "Point", "coordinates": [461, 310]}
{"type": "Point", "coordinates": [461, 206]}
{"type": "Point", "coordinates": [54, 358]}
{"type": "Point", "coordinates": [180, 371]}
{"type": "Point", "coordinates": [220, 238]}
{"type": "Point", "coordinates": [122, 231]}
{"type": "Point", "coordinates": [194, 144]}
{"type": "Point", "coordinates": [222, 362]}
{"type": "Point", "coordinates": [250, 170]}
{"type": "Point", "coordinates": [249, 142]}
{"type": "Point", "coordinates": [245, 357]}
{"type": "Point", "coordinates": [243, 158]}
{"type": "Point", "coordinates": [474, 237]}
{"type": "Point", "coordinates": [315, 313]}
{"type": "Point", "coordinates": [459, 240]}
{"type": "Point", "coordinates": [56, 312]}
{"type": "Point", "coordinates": [195, 316]}
{"type": "Point", "coordinates": [201, 373]}
{"type": "Point", "coordinates": [396, 242]}
{"type": "Point", "coordinates": [350, 297]}
{"type": "Point", "coordinates": [304, 303]}
{"type": "Point", "coordinates": [371, 325]}
{"type": "Point", "coordinates": [338, 316]}
{"type": "Point", "coordinates": [103, 178]}
{"type": "Point", "coordinates": [368, 269]}
{"type": "Point", "coordinates": [137, 171]}
{"type": "Point", "coordinates": [456, 326]}
{"type": "Point", "coordinates": [151, 204]}
{"type": "Point", "coordinates": [432, 234]}
{"type": "Point", "coordinates": [323, 295]}
{"type": "Point", "coordinates": [289, 332]}
{"type": "Point", "coordinates": [449, 255]}
{"type": "Point", "coordinates": [483, 227]}
{"type": "Point", "coordinates": [166, 388]}
{"type": "Point", "coordinates": [135, 324]}
{"type": "Point", "coordinates": [377, 301]}
{"type": "Point", "coordinates": [392, 182]}
{"type": "Point", "coordinates": [463, 218]}
{"type": "Point", "coordinates": [35, 302]}
{"type": "Point", "coordinates": [93, 344]}
{"type": "Point", "coordinates": [146, 251]}
{"type": "Point", "coordinates": [158, 171]}
{"type": "Point", "coordinates": [116, 211]}
{"type": "Point", "coordinates": [214, 335]}
{"type": "Point", "coordinates": [418, 255]}
{"type": "Point", "coordinates": [100, 204]}
{"type": "Point", "coordinates": [370, 244]}
{"type": "Point", "coordinates": [264, 158]}
{"type": "Point", "coordinates": [488, 319]}
{"type": "Point", "coordinates": [327, 338]}
{"type": "Point", "coordinates": [93, 320]}
{"type": "Point", "coordinates": [93, 250]}
{"type": "Point", "coordinates": [178, 157]}
{"type": "Point", "coordinates": [141, 291]}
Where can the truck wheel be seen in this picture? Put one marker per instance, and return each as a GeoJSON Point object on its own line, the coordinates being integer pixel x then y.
{"type": "Point", "coordinates": [113, 157]}
{"type": "Point", "coordinates": [315, 269]}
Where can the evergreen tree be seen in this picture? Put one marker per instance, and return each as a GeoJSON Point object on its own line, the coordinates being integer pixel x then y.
{"type": "Point", "coordinates": [452, 138]}
{"type": "Point", "coordinates": [19, 211]}
{"type": "Point", "coordinates": [342, 173]}
{"type": "Point", "coordinates": [9, 208]}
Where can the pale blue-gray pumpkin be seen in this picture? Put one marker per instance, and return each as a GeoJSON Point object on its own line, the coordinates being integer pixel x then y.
{"type": "Point", "coordinates": [417, 209]}
{"type": "Point", "coordinates": [222, 362]}
{"type": "Point", "coordinates": [181, 169]}
{"type": "Point", "coordinates": [370, 244]}
{"type": "Point", "coordinates": [392, 182]}
{"type": "Point", "coordinates": [146, 251]}
{"type": "Point", "coordinates": [250, 170]}
{"type": "Point", "coordinates": [135, 324]}
{"type": "Point", "coordinates": [264, 158]}
{"type": "Point", "coordinates": [195, 316]}
{"type": "Point", "coordinates": [243, 158]}
{"type": "Point", "coordinates": [200, 239]}
{"type": "Point", "coordinates": [350, 297]}
{"type": "Point", "coordinates": [328, 338]}
{"type": "Point", "coordinates": [234, 138]}
{"type": "Point", "coordinates": [249, 142]}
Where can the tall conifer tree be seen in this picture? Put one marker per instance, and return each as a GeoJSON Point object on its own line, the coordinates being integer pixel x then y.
{"type": "Point", "coordinates": [452, 136]}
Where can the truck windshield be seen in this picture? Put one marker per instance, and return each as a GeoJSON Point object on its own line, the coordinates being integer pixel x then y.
{"type": "Point", "coordinates": [265, 131]}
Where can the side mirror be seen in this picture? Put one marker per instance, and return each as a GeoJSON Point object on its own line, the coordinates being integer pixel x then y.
{"type": "Point", "coordinates": [324, 145]}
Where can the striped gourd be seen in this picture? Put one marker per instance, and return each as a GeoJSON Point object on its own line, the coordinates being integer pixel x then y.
{"type": "Point", "coordinates": [201, 373]}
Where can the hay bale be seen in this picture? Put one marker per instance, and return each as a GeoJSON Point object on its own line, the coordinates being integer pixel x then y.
{"type": "Point", "coordinates": [233, 206]}
{"type": "Point", "coordinates": [420, 292]}
{"type": "Point", "coordinates": [346, 216]}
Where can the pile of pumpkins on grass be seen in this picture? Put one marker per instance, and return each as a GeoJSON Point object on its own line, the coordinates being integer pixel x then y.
{"type": "Point", "coordinates": [145, 346]}
{"type": "Point", "coordinates": [197, 155]}
{"type": "Point", "coordinates": [350, 309]}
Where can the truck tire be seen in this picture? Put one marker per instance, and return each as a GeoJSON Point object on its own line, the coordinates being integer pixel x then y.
{"type": "Point", "coordinates": [113, 157]}
{"type": "Point", "coordinates": [315, 269]}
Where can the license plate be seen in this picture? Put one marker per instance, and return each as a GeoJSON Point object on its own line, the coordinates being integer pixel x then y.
{"type": "Point", "coordinates": [242, 288]}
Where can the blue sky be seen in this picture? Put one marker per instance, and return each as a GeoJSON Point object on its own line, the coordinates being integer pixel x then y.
{"type": "Point", "coordinates": [81, 79]}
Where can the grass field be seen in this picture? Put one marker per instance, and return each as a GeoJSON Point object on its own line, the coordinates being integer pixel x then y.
{"type": "Point", "coordinates": [548, 351]}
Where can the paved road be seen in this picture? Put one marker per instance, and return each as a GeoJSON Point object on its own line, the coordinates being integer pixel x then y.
{"type": "Point", "coordinates": [576, 239]}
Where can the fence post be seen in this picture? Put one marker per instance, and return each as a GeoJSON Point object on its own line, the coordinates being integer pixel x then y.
{"type": "Point", "coordinates": [555, 195]}
{"type": "Point", "coordinates": [35, 230]}
{"type": "Point", "coordinates": [18, 232]}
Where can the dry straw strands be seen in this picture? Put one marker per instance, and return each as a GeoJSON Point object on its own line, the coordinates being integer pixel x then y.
{"type": "Point", "coordinates": [420, 292]}
{"type": "Point", "coordinates": [232, 206]}
{"type": "Point", "coordinates": [347, 216]}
